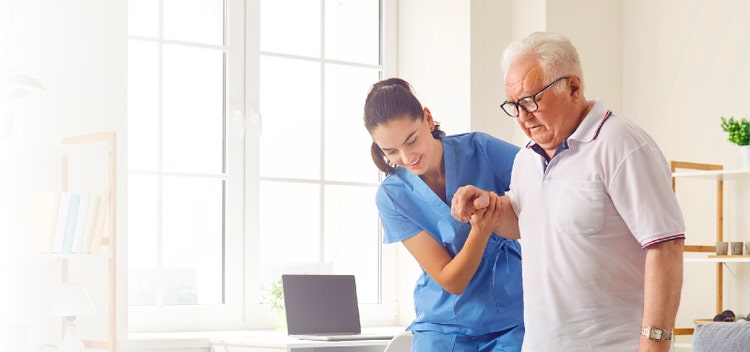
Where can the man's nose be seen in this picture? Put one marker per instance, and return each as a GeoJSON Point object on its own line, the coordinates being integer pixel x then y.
{"type": "Point", "coordinates": [523, 115]}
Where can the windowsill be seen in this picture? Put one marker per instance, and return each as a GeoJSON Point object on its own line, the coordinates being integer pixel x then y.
{"type": "Point", "coordinates": [176, 340]}
{"type": "Point", "coordinates": [202, 339]}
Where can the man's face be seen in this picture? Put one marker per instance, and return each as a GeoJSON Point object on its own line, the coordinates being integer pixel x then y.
{"type": "Point", "coordinates": [555, 118]}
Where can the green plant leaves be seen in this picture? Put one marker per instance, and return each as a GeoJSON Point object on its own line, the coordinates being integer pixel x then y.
{"type": "Point", "coordinates": [738, 130]}
{"type": "Point", "coordinates": [274, 296]}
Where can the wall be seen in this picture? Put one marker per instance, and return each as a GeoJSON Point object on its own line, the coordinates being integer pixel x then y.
{"type": "Point", "coordinates": [684, 65]}
{"type": "Point", "coordinates": [434, 56]}
{"type": "Point", "coordinates": [679, 78]}
{"type": "Point", "coordinates": [77, 50]}
{"type": "Point", "coordinates": [490, 32]}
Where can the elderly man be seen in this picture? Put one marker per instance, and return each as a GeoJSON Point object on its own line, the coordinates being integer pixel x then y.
{"type": "Point", "coordinates": [590, 197]}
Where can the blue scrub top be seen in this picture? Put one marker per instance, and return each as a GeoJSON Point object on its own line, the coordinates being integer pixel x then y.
{"type": "Point", "coordinates": [493, 299]}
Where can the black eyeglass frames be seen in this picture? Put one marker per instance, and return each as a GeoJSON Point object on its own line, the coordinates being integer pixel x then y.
{"type": "Point", "coordinates": [528, 103]}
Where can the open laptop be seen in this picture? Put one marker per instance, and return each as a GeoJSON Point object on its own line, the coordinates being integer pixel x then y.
{"type": "Point", "coordinates": [324, 307]}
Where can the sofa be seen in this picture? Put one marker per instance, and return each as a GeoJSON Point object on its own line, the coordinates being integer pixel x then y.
{"type": "Point", "coordinates": [722, 337]}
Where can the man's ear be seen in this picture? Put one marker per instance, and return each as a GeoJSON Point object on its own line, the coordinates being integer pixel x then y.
{"type": "Point", "coordinates": [574, 82]}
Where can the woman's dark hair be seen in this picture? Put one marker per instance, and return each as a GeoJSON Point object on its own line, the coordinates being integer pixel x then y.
{"type": "Point", "coordinates": [387, 100]}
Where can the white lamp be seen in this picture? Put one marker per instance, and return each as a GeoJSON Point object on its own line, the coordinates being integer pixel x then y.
{"type": "Point", "coordinates": [71, 300]}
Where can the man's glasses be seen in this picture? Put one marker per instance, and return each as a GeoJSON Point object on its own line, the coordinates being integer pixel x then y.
{"type": "Point", "coordinates": [527, 103]}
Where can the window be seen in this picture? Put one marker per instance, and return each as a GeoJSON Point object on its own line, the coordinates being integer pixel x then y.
{"type": "Point", "coordinates": [247, 155]}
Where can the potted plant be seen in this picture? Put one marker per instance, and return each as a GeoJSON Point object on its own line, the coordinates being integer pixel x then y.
{"type": "Point", "coordinates": [739, 134]}
{"type": "Point", "coordinates": [274, 298]}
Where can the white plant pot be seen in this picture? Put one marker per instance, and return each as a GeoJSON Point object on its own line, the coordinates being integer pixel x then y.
{"type": "Point", "coordinates": [745, 155]}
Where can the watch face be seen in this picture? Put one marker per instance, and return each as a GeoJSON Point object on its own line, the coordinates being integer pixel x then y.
{"type": "Point", "coordinates": [656, 334]}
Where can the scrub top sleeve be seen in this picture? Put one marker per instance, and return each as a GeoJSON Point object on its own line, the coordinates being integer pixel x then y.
{"type": "Point", "coordinates": [396, 226]}
{"type": "Point", "coordinates": [499, 155]}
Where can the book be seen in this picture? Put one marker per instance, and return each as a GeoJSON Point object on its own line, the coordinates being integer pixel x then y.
{"type": "Point", "coordinates": [88, 232]}
{"type": "Point", "coordinates": [70, 224]}
{"type": "Point", "coordinates": [43, 219]}
{"type": "Point", "coordinates": [61, 222]}
{"type": "Point", "coordinates": [102, 212]}
{"type": "Point", "coordinates": [83, 208]}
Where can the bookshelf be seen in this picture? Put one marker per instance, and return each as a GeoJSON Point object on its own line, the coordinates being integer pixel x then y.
{"type": "Point", "coordinates": [99, 142]}
{"type": "Point", "coordinates": [705, 253]}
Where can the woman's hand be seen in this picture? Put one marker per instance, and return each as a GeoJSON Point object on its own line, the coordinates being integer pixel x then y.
{"type": "Point", "coordinates": [499, 218]}
{"type": "Point", "coordinates": [485, 220]}
{"type": "Point", "coordinates": [467, 201]}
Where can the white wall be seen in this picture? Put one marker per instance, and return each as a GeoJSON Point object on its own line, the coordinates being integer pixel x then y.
{"type": "Point", "coordinates": [77, 50]}
{"type": "Point", "coordinates": [490, 33]}
{"type": "Point", "coordinates": [685, 64]}
{"type": "Point", "coordinates": [434, 56]}
{"type": "Point", "coordinates": [681, 76]}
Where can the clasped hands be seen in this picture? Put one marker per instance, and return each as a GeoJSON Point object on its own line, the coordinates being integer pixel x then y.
{"type": "Point", "coordinates": [469, 201]}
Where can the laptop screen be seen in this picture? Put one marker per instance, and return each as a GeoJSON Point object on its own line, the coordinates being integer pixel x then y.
{"type": "Point", "coordinates": [321, 304]}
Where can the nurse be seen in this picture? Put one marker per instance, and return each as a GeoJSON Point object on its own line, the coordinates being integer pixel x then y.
{"type": "Point", "coordinates": [469, 295]}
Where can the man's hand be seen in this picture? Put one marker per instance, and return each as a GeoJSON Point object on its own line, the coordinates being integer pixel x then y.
{"type": "Point", "coordinates": [467, 201]}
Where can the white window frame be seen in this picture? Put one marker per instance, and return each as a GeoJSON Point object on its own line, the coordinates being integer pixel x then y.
{"type": "Point", "coordinates": [242, 308]}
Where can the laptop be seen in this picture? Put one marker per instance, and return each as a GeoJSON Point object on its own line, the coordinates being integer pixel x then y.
{"type": "Point", "coordinates": [324, 308]}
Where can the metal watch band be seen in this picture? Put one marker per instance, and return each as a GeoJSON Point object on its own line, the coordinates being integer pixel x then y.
{"type": "Point", "coordinates": [656, 334]}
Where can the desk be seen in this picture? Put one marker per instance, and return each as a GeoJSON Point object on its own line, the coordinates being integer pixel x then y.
{"type": "Point", "coordinates": [272, 341]}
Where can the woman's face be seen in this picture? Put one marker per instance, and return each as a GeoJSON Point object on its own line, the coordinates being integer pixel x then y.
{"type": "Point", "coordinates": [408, 142]}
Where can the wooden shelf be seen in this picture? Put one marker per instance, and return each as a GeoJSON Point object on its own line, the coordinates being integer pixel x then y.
{"type": "Point", "coordinates": [735, 174]}
{"type": "Point", "coordinates": [719, 259]}
{"type": "Point", "coordinates": [102, 145]}
{"type": "Point", "coordinates": [56, 256]}
{"type": "Point", "coordinates": [717, 174]}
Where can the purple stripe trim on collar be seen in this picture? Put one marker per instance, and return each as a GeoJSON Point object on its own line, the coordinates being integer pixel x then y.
{"type": "Point", "coordinates": [601, 123]}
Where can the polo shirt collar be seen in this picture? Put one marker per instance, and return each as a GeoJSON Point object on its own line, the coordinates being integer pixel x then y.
{"type": "Point", "coordinates": [589, 128]}
{"type": "Point", "coordinates": [586, 132]}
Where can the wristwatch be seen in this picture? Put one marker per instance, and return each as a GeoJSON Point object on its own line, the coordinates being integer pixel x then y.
{"type": "Point", "coordinates": [656, 334]}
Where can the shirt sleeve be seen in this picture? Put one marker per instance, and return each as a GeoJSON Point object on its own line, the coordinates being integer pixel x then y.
{"type": "Point", "coordinates": [642, 193]}
{"type": "Point", "coordinates": [396, 226]}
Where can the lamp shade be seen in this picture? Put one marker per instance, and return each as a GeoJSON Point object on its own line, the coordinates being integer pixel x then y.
{"type": "Point", "coordinates": [72, 299]}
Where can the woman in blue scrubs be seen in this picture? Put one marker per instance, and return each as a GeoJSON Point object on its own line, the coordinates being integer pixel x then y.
{"type": "Point", "coordinates": [469, 295]}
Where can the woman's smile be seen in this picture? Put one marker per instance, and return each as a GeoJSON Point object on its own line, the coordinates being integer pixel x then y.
{"type": "Point", "coordinates": [416, 163]}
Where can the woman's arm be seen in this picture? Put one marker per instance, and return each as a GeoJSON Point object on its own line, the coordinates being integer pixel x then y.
{"type": "Point", "coordinates": [469, 199]}
{"type": "Point", "coordinates": [454, 274]}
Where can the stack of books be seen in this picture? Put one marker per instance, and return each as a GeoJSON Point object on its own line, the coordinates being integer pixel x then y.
{"type": "Point", "coordinates": [72, 222]}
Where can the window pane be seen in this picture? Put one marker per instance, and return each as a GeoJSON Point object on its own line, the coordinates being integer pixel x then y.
{"type": "Point", "coordinates": [290, 27]}
{"type": "Point", "coordinates": [193, 238]}
{"type": "Point", "coordinates": [142, 239]}
{"type": "Point", "coordinates": [143, 105]}
{"type": "Point", "coordinates": [290, 109]}
{"type": "Point", "coordinates": [352, 239]}
{"type": "Point", "coordinates": [198, 21]}
{"type": "Point", "coordinates": [143, 18]}
{"type": "Point", "coordinates": [347, 142]}
{"type": "Point", "coordinates": [353, 31]}
{"type": "Point", "coordinates": [193, 127]}
{"type": "Point", "coordinates": [289, 229]}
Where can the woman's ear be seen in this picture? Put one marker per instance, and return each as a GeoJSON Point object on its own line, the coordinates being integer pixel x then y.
{"type": "Point", "coordinates": [428, 118]}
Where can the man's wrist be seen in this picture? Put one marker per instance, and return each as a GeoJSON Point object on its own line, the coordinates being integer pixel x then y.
{"type": "Point", "coordinates": [656, 334]}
